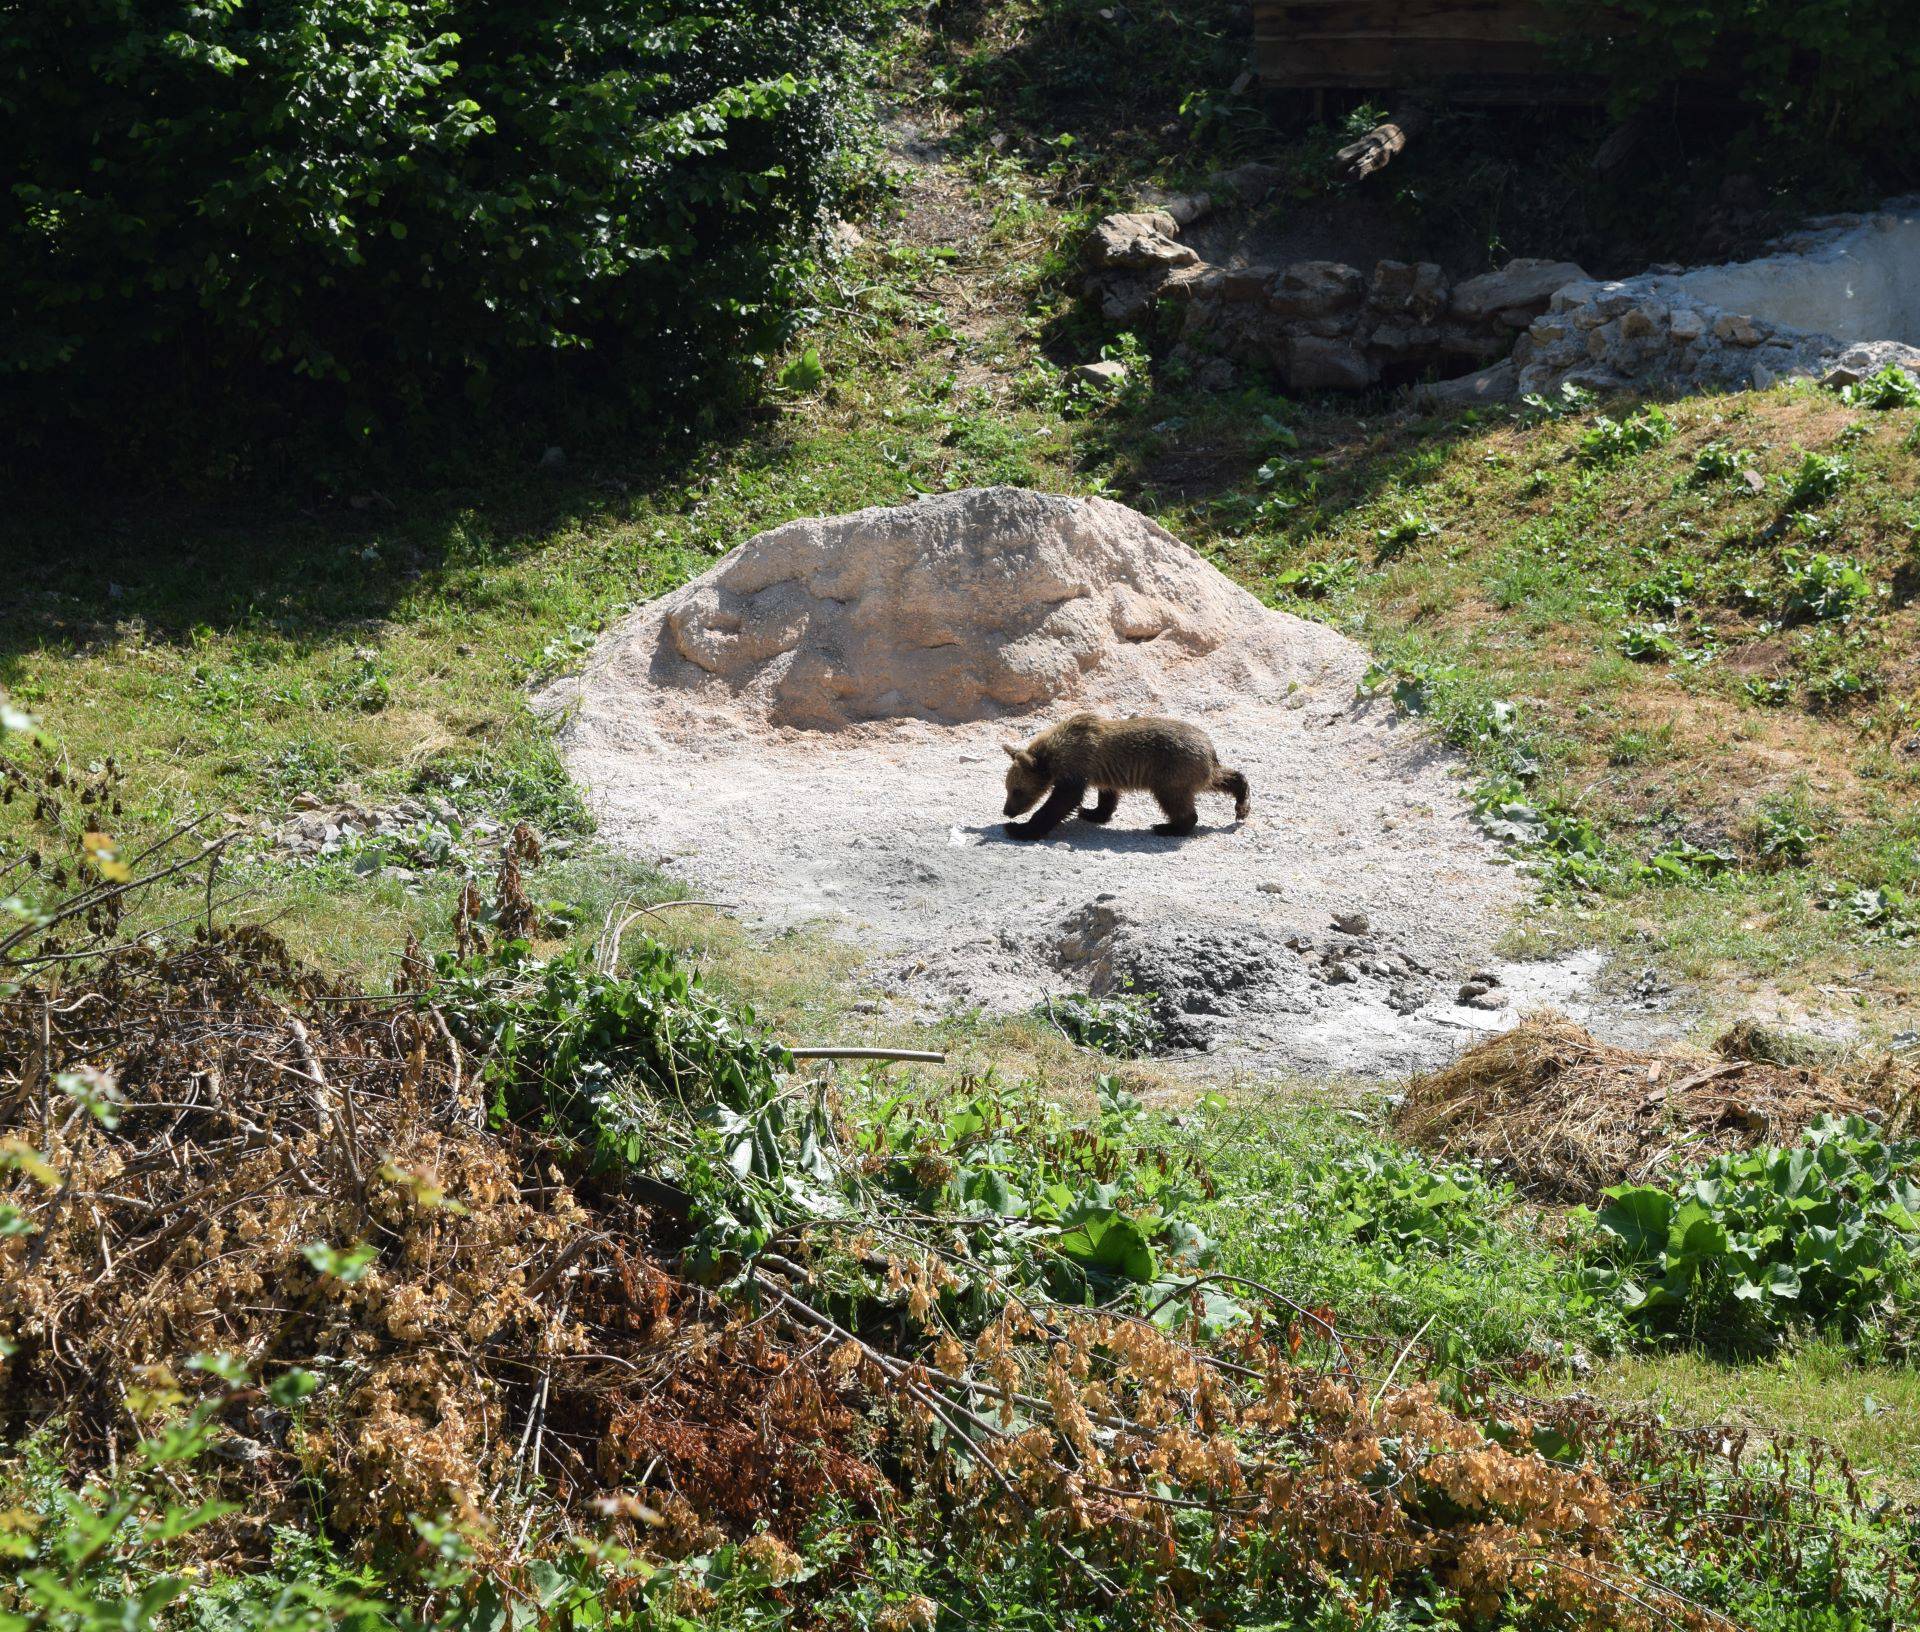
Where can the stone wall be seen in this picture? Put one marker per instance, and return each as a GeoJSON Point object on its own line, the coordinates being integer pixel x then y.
{"type": "Point", "coordinates": [1320, 325]}
{"type": "Point", "coordinates": [1746, 324]}
{"type": "Point", "coordinates": [1535, 324]}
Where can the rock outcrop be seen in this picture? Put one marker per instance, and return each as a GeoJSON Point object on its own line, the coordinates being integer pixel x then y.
{"type": "Point", "coordinates": [1848, 287]}
{"type": "Point", "coordinates": [1819, 296]}
{"type": "Point", "coordinates": [973, 605]}
{"type": "Point", "coordinates": [1321, 325]}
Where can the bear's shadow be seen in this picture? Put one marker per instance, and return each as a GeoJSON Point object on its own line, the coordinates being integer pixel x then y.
{"type": "Point", "coordinates": [1079, 835]}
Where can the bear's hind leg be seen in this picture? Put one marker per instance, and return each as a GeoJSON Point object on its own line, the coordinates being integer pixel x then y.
{"type": "Point", "coordinates": [1102, 809]}
{"type": "Point", "coordinates": [1182, 816]}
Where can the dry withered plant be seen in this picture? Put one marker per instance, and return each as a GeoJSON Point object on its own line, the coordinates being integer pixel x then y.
{"type": "Point", "coordinates": [1564, 1115]}
{"type": "Point", "coordinates": [210, 1149]}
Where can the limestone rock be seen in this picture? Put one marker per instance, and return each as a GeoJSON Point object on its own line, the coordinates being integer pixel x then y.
{"type": "Point", "coordinates": [1313, 364]}
{"type": "Point", "coordinates": [1245, 282]}
{"type": "Point", "coordinates": [1105, 375]}
{"type": "Point", "coordinates": [961, 607]}
{"type": "Point", "coordinates": [1517, 293]}
{"type": "Point", "coordinates": [1869, 357]}
{"type": "Point", "coordinates": [1499, 383]}
{"type": "Point", "coordinates": [1316, 289]}
{"type": "Point", "coordinates": [1140, 239]}
{"type": "Point", "coordinates": [1418, 288]}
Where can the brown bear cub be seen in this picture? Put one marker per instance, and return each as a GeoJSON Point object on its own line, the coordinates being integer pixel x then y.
{"type": "Point", "coordinates": [1171, 760]}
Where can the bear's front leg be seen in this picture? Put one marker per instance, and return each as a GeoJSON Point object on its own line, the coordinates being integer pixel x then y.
{"type": "Point", "coordinates": [1061, 803]}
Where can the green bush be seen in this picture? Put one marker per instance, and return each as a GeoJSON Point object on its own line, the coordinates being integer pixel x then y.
{"type": "Point", "coordinates": [1818, 71]}
{"type": "Point", "coordinates": [265, 219]}
{"type": "Point", "coordinates": [1827, 1231]}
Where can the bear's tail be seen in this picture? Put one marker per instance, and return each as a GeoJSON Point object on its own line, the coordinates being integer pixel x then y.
{"type": "Point", "coordinates": [1234, 783]}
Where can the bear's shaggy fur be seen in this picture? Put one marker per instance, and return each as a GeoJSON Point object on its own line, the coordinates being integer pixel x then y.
{"type": "Point", "coordinates": [1170, 759]}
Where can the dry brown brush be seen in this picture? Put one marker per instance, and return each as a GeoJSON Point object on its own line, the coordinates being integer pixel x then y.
{"type": "Point", "coordinates": [210, 1149]}
{"type": "Point", "coordinates": [1564, 1115]}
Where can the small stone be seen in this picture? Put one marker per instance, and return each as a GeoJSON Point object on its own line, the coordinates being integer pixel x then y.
{"type": "Point", "coordinates": [1106, 375]}
{"type": "Point", "coordinates": [1352, 923]}
{"type": "Point", "coordinates": [867, 1005]}
{"type": "Point", "coordinates": [1686, 325]}
{"type": "Point", "coordinates": [1485, 1000]}
{"type": "Point", "coordinates": [306, 801]}
{"type": "Point", "coordinates": [1340, 974]}
{"type": "Point", "coordinates": [1486, 977]}
{"type": "Point", "coordinates": [553, 459]}
{"type": "Point", "coordinates": [1268, 886]}
{"type": "Point", "coordinates": [1737, 329]}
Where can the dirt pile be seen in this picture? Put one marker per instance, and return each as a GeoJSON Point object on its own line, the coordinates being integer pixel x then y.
{"type": "Point", "coordinates": [1565, 1115]}
{"type": "Point", "coordinates": [813, 730]}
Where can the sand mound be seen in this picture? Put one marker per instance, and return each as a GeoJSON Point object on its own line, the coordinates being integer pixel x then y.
{"type": "Point", "coordinates": [813, 729]}
{"type": "Point", "coordinates": [970, 606]}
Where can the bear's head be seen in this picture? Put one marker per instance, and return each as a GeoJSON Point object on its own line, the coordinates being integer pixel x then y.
{"type": "Point", "coordinates": [1027, 781]}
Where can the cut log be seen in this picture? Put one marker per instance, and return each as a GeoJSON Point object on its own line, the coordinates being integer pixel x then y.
{"type": "Point", "coordinates": [1380, 146]}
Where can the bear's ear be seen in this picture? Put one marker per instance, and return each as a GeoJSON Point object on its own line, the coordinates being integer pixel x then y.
{"type": "Point", "coordinates": [1015, 752]}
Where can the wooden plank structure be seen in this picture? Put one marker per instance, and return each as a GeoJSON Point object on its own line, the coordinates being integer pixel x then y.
{"type": "Point", "coordinates": [1478, 50]}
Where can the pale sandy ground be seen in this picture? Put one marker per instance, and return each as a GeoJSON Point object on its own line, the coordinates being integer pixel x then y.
{"type": "Point", "coordinates": [888, 831]}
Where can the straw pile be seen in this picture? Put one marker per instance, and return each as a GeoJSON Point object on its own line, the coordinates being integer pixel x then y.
{"type": "Point", "coordinates": [1565, 1115]}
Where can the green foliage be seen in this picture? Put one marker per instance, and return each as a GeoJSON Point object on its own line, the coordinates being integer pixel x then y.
{"type": "Point", "coordinates": [109, 1555]}
{"type": "Point", "coordinates": [1819, 72]}
{"type": "Point", "coordinates": [1822, 587]}
{"type": "Point", "coordinates": [1315, 580]}
{"type": "Point", "coordinates": [1608, 441]}
{"type": "Point", "coordinates": [1892, 387]}
{"type": "Point", "coordinates": [1819, 477]}
{"type": "Point", "coordinates": [1649, 642]}
{"type": "Point", "coordinates": [584, 1052]}
{"type": "Point", "coordinates": [1785, 838]}
{"type": "Point", "coordinates": [1717, 462]}
{"type": "Point", "coordinates": [1318, 1203]}
{"type": "Point", "coordinates": [1407, 529]}
{"type": "Point", "coordinates": [1075, 1210]}
{"type": "Point", "coordinates": [1569, 399]}
{"type": "Point", "coordinates": [351, 214]}
{"type": "Point", "coordinates": [1122, 1025]}
{"type": "Point", "coordinates": [1826, 1231]}
{"type": "Point", "coordinates": [1884, 911]}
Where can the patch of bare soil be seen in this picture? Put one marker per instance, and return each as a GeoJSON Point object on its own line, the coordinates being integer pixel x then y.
{"type": "Point", "coordinates": [815, 727]}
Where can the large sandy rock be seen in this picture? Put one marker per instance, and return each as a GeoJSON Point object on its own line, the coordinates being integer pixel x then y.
{"type": "Point", "coordinates": [1143, 239]}
{"type": "Point", "coordinates": [967, 606]}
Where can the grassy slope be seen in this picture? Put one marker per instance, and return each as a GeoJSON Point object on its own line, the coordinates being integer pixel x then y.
{"type": "Point", "coordinates": [356, 644]}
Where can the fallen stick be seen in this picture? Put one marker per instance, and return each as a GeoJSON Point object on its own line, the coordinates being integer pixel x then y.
{"type": "Point", "coordinates": [927, 1056]}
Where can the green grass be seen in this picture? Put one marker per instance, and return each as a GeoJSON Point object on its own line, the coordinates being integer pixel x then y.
{"type": "Point", "coordinates": [1317, 1203]}
{"type": "Point", "coordinates": [1872, 1413]}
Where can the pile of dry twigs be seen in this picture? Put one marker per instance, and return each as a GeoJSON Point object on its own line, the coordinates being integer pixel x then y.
{"type": "Point", "coordinates": [1564, 1115]}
